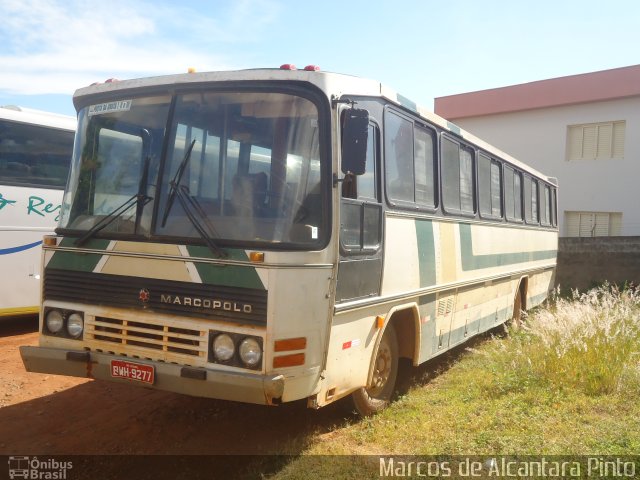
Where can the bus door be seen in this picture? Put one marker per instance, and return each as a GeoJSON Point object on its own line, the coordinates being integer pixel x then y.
{"type": "Point", "coordinates": [360, 266]}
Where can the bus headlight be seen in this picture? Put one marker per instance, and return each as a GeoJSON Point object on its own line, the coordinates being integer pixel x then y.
{"type": "Point", "coordinates": [223, 347]}
{"type": "Point", "coordinates": [75, 325]}
{"type": "Point", "coordinates": [54, 321]}
{"type": "Point", "coordinates": [250, 352]}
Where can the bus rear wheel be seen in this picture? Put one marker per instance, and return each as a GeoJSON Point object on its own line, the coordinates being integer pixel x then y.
{"type": "Point", "coordinates": [376, 397]}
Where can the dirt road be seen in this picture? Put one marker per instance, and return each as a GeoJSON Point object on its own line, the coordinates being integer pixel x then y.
{"type": "Point", "coordinates": [53, 415]}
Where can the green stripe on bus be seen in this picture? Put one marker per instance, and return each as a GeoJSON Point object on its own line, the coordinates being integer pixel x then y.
{"type": "Point", "coordinates": [80, 262]}
{"type": "Point", "coordinates": [93, 243]}
{"type": "Point", "coordinates": [537, 300]}
{"type": "Point", "coordinates": [430, 341]}
{"type": "Point", "coordinates": [426, 252]}
{"type": "Point", "coordinates": [477, 262]}
{"type": "Point", "coordinates": [226, 275]}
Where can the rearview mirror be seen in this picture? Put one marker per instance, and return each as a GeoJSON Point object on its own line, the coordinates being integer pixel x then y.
{"type": "Point", "coordinates": [355, 130]}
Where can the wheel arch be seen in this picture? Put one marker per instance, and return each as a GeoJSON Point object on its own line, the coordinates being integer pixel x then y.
{"type": "Point", "coordinates": [405, 319]}
{"type": "Point", "coordinates": [523, 288]}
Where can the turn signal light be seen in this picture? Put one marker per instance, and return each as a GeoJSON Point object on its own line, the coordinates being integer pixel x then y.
{"type": "Point", "coordinates": [290, 344]}
{"type": "Point", "coordinates": [256, 257]}
{"type": "Point", "coordinates": [292, 360]}
{"type": "Point", "coordinates": [50, 241]}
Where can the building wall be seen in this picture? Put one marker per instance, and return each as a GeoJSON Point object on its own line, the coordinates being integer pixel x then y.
{"type": "Point", "coordinates": [587, 262]}
{"type": "Point", "coordinates": [539, 138]}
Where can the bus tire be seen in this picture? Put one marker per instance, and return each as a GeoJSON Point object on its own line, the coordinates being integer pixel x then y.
{"type": "Point", "coordinates": [370, 400]}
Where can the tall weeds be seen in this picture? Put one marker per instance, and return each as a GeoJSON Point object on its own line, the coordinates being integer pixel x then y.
{"type": "Point", "coordinates": [590, 342]}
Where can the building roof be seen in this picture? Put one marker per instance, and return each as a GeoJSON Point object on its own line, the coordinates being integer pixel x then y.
{"type": "Point", "coordinates": [589, 87]}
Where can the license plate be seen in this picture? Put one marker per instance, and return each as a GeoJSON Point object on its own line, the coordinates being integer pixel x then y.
{"type": "Point", "coordinates": [132, 371]}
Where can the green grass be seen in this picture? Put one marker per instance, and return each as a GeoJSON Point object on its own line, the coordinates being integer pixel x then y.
{"type": "Point", "coordinates": [567, 382]}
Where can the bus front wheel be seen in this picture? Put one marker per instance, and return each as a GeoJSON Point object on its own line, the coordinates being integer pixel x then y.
{"type": "Point", "coordinates": [372, 399]}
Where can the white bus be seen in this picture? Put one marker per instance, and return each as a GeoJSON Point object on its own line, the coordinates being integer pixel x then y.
{"type": "Point", "coordinates": [35, 154]}
{"type": "Point", "coordinates": [273, 235]}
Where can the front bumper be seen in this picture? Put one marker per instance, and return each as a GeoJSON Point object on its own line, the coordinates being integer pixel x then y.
{"type": "Point", "coordinates": [199, 382]}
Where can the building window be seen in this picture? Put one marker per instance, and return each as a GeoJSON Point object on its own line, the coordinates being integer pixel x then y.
{"type": "Point", "coordinates": [593, 224]}
{"type": "Point", "coordinates": [596, 141]}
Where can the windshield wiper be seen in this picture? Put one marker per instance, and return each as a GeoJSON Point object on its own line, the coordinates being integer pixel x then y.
{"type": "Point", "coordinates": [175, 183]}
{"type": "Point", "coordinates": [189, 205]}
{"type": "Point", "coordinates": [137, 199]}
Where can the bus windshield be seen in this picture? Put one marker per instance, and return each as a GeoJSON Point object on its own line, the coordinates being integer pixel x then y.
{"type": "Point", "coordinates": [227, 167]}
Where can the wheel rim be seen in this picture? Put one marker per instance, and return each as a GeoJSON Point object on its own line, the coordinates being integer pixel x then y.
{"type": "Point", "coordinates": [382, 369]}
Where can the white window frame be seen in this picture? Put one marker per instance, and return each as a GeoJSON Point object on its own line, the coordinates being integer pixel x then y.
{"type": "Point", "coordinates": [596, 141]}
{"type": "Point", "coordinates": [593, 224]}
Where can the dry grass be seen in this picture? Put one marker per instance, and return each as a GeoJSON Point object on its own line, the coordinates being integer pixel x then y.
{"type": "Point", "coordinates": [590, 342]}
{"type": "Point", "coordinates": [566, 383]}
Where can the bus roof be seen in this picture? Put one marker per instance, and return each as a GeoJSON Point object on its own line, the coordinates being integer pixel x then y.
{"type": "Point", "coordinates": [31, 116]}
{"type": "Point", "coordinates": [333, 84]}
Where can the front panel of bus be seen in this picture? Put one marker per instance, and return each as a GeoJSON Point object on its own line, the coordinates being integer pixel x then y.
{"type": "Point", "coordinates": [193, 252]}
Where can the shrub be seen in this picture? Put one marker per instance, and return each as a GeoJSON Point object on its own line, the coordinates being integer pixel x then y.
{"type": "Point", "coordinates": [590, 342]}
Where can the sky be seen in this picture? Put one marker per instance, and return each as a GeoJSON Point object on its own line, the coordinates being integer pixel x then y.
{"type": "Point", "coordinates": [421, 48]}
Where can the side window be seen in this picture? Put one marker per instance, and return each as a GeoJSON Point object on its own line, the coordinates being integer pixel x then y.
{"type": "Point", "coordinates": [554, 208]}
{"type": "Point", "coordinates": [410, 162]}
{"type": "Point", "coordinates": [490, 187]}
{"type": "Point", "coordinates": [399, 158]}
{"type": "Point", "coordinates": [424, 156]}
{"type": "Point", "coordinates": [31, 155]}
{"type": "Point", "coordinates": [513, 194]}
{"type": "Point", "coordinates": [367, 182]}
{"type": "Point", "coordinates": [531, 200]}
{"type": "Point", "coordinates": [457, 177]}
{"type": "Point", "coordinates": [360, 210]}
{"type": "Point", "coordinates": [545, 205]}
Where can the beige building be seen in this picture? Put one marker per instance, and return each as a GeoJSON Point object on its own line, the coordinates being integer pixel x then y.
{"type": "Point", "coordinates": [582, 129]}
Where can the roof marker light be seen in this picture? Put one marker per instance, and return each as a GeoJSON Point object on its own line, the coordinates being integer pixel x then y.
{"type": "Point", "coordinates": [191, 70]}
{"type": "Point", "coordinates": [111, 80]}
{"type": "Point", "coordinates": [288, 66]}
{"type": "Point", "coordinates": [312, 68]}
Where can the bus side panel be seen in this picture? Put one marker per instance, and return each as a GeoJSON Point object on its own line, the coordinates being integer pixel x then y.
{"type": "Point", "coordinates": [490, 251]}
{"type": "Point", "coordinates": [539, 285]}
{"type": "Point", "coordinates": [351, 346]}
{"type": "Point", "coordinates": [298, 308]}
{"type": "Point", "coordinates": [26, 215]}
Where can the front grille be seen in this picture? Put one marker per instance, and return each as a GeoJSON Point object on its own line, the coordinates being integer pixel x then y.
{"type": "Point", "coordinates": [153, 341]}
{"type": "Point", "coordinates": [232, 304]}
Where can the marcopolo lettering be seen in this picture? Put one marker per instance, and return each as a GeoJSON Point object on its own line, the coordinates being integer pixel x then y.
{"type": "Point", "coordinates": [206, 303]}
